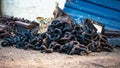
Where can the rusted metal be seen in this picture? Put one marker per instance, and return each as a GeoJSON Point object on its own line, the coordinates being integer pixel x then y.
{"type": "Point", "coordinates": [62, 36]}
{"type": "Point", "coordinates": [24, 25]}
{"type": "Point", "coordinates": [3, 31]}
{"type": "Point", "coordinates": [112, 33]}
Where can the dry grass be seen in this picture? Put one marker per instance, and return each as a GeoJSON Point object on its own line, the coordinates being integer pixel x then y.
{"type": "Point", "coordinates": [43, 28]}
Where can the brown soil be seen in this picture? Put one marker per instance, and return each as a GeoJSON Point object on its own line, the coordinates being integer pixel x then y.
{"type": "Point", "coordinates": [11, 57]}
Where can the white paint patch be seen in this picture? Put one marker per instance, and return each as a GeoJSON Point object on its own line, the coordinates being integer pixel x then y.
{"type": "Point", "coordinates": [30, 9]}
{"type": "Point", "coordinates": [99, 28]}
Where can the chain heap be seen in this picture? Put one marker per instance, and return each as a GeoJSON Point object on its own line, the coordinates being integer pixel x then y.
{"type": "Point", "coordinates": [61, 36]}
{"type": "Point", "coordinates": [72, 38]}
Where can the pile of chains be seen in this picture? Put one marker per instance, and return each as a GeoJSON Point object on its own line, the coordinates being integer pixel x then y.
{"type": "Point", "coordinates": [61, 36]}
{"type": "Point", "coordinates": [72, 38]}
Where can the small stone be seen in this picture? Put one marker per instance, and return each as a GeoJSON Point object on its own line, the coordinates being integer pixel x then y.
{"type": "Point", "coordinates": [12, 59]}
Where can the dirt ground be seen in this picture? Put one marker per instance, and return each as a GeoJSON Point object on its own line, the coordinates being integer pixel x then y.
{"type": "Point", "coordinates": [11, 57]}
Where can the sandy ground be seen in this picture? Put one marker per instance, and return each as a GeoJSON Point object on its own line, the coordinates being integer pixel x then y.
{"type": "Point", "coordinates": [11, 57]}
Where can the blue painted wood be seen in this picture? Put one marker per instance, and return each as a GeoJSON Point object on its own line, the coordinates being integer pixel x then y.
{"type": "Point", "coordinates": [105, 11]}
